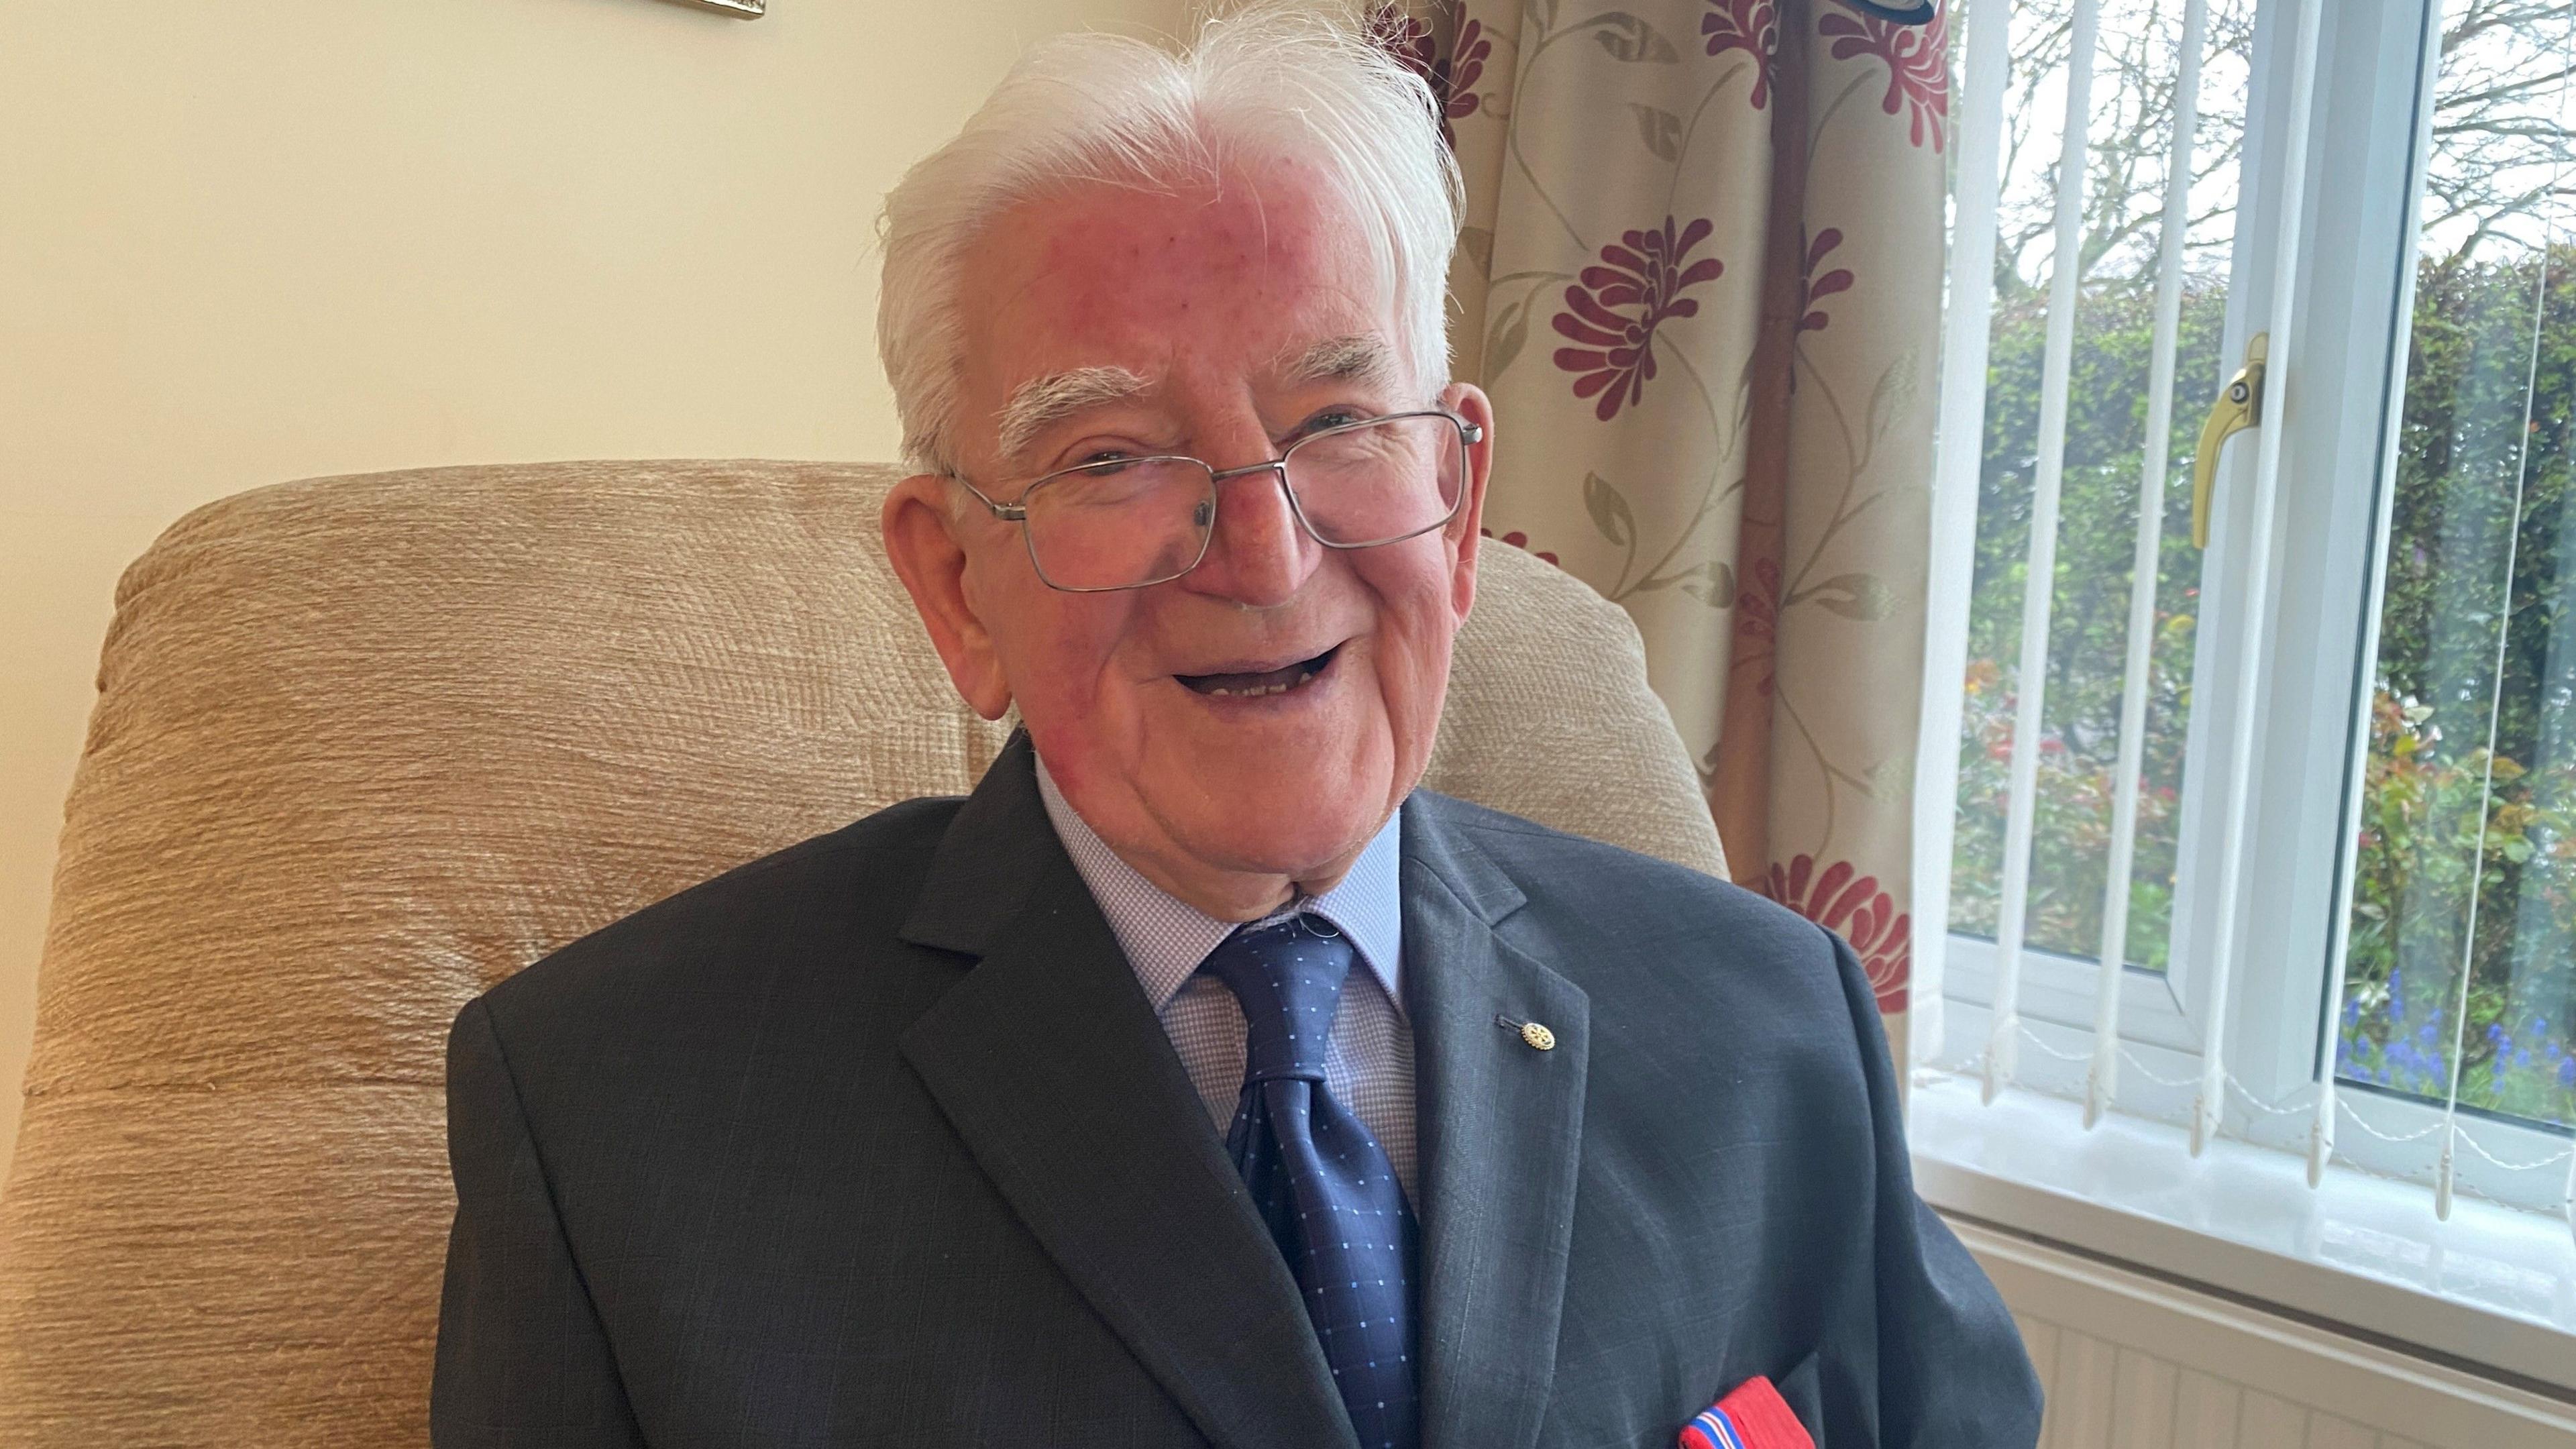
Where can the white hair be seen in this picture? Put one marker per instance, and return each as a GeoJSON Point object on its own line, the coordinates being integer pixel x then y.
{"type": "Point", "coordinates": [1276, 80]}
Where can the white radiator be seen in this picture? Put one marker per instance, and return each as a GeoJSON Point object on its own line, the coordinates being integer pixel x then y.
{"type": "Point", "coordinates": [2133, 1362]}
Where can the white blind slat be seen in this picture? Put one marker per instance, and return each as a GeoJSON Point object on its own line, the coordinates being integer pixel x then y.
{"type": "Point", "coordinates": [2003, 1041]}
{"type": "Point", "coordinates": [1966, 336]}
{"type": "Point", "coordinates": [2102, 1083]}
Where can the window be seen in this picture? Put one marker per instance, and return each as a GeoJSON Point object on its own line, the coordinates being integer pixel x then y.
{"type": "Point", "coordinates": [2466, 828]}
{"type": "Point", "coordinates": [2272, 839]}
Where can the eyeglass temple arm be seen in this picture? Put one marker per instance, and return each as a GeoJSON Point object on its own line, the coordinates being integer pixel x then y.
{"type": "Point", "coordinates": [1007, 512]}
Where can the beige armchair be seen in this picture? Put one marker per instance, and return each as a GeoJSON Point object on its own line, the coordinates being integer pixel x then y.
{"type": "Point", "coordinates": [364, 746]}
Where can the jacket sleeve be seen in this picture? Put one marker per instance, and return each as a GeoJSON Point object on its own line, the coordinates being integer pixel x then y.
{"type": "Point", "coordinates": [522, 1357]}
{"type": "Point", "coordinates": [1952, 1372]}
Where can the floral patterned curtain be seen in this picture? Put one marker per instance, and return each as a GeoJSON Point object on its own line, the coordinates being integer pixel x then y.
{"type": "Point", "coordinates": [1701, 276]}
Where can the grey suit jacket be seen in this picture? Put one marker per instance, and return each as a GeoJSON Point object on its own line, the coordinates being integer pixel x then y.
{"type": "Point", "coordinates": [876, 1141]}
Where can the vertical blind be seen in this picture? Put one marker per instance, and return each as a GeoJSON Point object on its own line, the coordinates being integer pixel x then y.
{"type": "Point", "coordinates": [2230, 747]}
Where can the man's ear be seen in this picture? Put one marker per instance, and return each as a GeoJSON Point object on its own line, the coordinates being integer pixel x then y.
{"type": "Point", "coordinates": [923, 540]}
{"type": "Point", "coordinates": [1469, 402]}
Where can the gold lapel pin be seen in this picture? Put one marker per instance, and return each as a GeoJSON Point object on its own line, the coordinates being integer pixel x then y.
{"type": "Point", "coordinates": [1533, 1034]}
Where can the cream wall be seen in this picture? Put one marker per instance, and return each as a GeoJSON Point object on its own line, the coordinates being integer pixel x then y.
{"type": "Point", "coordinates": [244, 243]}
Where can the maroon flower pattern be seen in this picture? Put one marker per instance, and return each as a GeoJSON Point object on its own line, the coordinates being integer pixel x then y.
{"type": "Point", "coordinates": [1918, 65]}
{"type": "Point", "coordinates": [1851, 905]}
{"type": "Point", "coordinates": [1452, 77]}
{"type": "Point", "coordinates": [1812, 288]}
{"type": "Point", "coordinates": [1520, 540]}
{"type": "Point", "coordinates": [1751, 26]}
{"type": "Point", "coordinates": [1466, 67]}
{"type": "Point", "coordinates": [1642, 270]}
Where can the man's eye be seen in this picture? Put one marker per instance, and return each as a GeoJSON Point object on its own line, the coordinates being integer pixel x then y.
{"type": "Point", "coordinates": [1334, 418]}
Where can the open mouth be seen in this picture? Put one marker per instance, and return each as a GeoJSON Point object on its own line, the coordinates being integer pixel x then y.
{"type": "Point", "coordinates": [1265, 682]}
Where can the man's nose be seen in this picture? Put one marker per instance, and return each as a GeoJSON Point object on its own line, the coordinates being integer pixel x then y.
{"type": "Point", "coordinates": [1259, 555]}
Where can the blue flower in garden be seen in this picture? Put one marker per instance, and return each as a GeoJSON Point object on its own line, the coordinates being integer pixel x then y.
{"type": "Point", "coordinates": [2396, 1004]}
{"type": "Point", "coordinates": [2351, 1011]}
{"type": "Point", "coordinates": [2522, 1056]}
{"type": "Point", "coordinates": [2567, 1071]}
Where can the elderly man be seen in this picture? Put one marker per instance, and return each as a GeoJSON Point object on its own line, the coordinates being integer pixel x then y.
{"type": "Point", "coordinates": [1197, 1080]}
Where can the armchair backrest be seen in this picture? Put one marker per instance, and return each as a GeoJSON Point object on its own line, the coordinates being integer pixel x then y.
{"type": "Point", "coordinates": [364, 746]}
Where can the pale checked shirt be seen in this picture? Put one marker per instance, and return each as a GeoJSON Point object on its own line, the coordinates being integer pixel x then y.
{"type": "Point", "coordinates": [1368, 1064]}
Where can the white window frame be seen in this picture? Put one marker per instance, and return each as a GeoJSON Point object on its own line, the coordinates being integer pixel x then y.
{"type": "Point", "coordinates": [2337, 400]}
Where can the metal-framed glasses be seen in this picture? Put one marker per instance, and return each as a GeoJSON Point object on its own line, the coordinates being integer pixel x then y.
{"type": "Point", "coordinates": [1128, 523]}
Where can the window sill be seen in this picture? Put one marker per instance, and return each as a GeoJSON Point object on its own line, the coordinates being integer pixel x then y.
{"type": "Point", "coordinates": [2493, 1287]}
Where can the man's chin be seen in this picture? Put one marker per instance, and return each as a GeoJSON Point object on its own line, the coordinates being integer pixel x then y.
{"type": "Point", "coordinates": [1290, 826]}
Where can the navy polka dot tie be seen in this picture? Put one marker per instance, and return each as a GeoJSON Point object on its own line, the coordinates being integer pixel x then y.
{"type": "Point", "coordinates": [1321, 1181]}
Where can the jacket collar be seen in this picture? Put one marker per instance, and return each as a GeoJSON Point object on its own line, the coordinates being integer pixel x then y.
{"type": "Point", "coordinates": [1052, 1068]}
{"type": "Point", "coordinates": [1501, 1130]}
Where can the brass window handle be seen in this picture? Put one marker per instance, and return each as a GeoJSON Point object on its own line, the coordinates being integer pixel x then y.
{"type": "Point", "coordinates": [2239, 406]}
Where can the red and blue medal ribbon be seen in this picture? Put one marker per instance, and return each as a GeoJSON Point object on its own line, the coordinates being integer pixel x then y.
{"type": "Point", "coordinates": [1752, 1417]}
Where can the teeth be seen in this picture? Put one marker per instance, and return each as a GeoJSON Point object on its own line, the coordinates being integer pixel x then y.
{"type": "Point", "coordinates": [1259, 691]}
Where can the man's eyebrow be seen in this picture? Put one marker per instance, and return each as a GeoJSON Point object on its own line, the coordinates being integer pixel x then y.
{"type": "Point", "coordinates": [1362, 358]}
{"type": "Point", "coordinates": [1044, 400]}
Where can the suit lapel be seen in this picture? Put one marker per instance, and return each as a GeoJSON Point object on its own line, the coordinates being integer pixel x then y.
{"type": "Point", "coordinates": [1501, 1127]}
{"type": "Point", "coordinates": [1049, 1063]}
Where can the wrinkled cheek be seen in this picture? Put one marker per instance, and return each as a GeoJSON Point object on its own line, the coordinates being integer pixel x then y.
{"type": "Point", "coordinates": [1061, 706]}
{"type": "Point", "coordinates": [1063, 678]}
{"type": "Point", "coordinates": [1412, 676]}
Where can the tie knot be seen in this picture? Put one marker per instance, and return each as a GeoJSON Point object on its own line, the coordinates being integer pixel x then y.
{"type": "Point", "coordinates": [1288, 978]}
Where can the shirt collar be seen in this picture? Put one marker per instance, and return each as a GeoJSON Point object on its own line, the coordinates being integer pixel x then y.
{"type": "Point", "coordinates": [1166, 938]}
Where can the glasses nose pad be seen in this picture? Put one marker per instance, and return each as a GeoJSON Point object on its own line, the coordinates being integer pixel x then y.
{"type": "Point", "coordinates": [1204, 514]}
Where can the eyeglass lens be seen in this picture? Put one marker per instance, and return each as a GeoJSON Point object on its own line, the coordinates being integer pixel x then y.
{"type": "Point", "coordinates": [1127, 523]}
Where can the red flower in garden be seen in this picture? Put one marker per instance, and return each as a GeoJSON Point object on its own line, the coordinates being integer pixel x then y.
{"type": "Point", "coordinates": [1812, 288]}
{"type": "Point", "coordinates": [1643, 270]}
{"type": "Point", "coordinates": [1751, 26]}
{"type": "Point", "coordinates": [1918, 65]}
{"type": "Point", "coordinates": [1852, 906]}
{"type": "Point", "coordinates": [1452, 77]}
{"type": "Point", "coordinates": [1520, 540]}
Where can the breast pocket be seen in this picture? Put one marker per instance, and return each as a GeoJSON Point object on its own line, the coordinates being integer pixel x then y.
{"type": "Point", "coordinates": [1780, 1413]}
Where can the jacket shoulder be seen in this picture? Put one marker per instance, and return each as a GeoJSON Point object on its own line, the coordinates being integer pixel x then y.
{"type": "Point", "coordinates": [1642, 934]}
{"type": "Point", "coordinates": [1554, 868]}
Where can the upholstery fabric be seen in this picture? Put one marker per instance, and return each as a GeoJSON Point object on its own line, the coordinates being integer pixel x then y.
{"type": "Point", "coordinates": [365, 746]}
